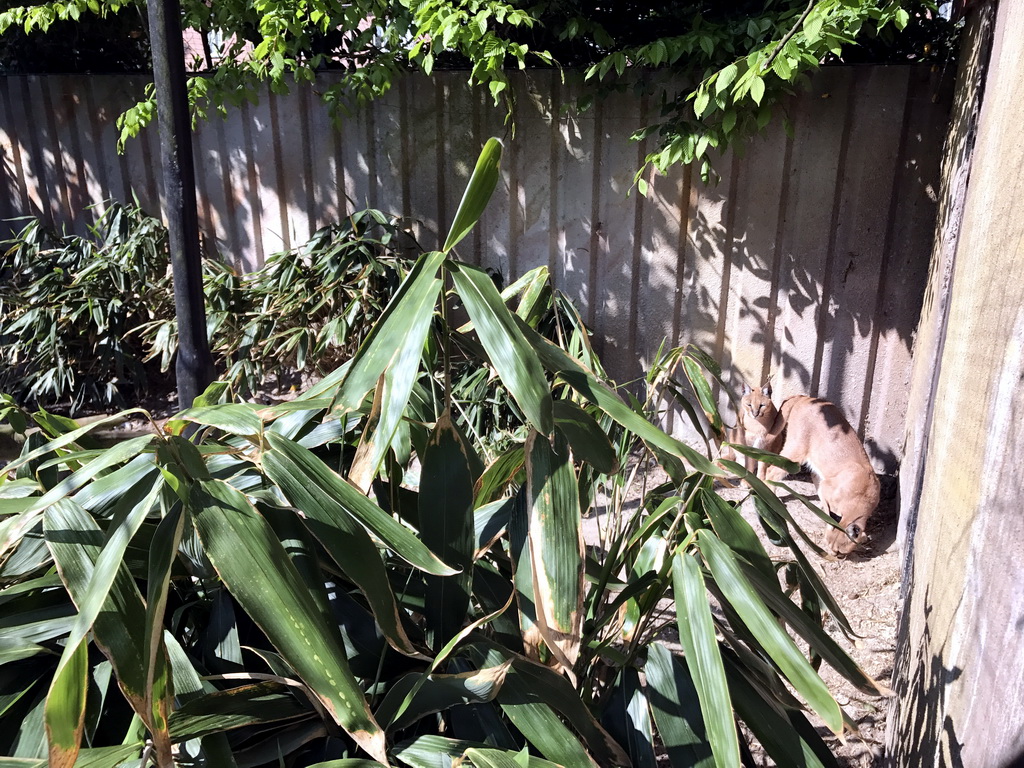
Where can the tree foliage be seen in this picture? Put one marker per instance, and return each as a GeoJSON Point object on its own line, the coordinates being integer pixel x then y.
{"type": "Point", "coordinates": [736, 61]}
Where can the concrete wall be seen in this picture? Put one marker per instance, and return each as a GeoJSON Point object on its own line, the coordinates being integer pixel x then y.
{"type": "Point", "coordinates": [807, 261]}
{"type": "Point", "coordinates": [959, 672]}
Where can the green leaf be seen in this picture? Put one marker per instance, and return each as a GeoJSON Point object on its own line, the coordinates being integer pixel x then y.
{"type": "Point", "coordinates": [511, 354]}
{"type": "Point", "coordinates": [556, 545]}
{"type": "Point", "coordinates": [11, 530]}
{"type": "Point", "coordinates": [725, 78]}
{"type": "Point", "coordinates": [674, 702]}
{"type": "Point", "coordinates": [770, 724]}
{"type": "Point", "coordinates": [257, 571]}
{"type": "Point", "coordinates": [77, 545]}
{"type": "Point", "coordinates": [701, 102]}
{"type": "Point", "coordinates": [704, 394]}
{"type": "Point", "coordinates": [586, 438]}
{"type": "Point", "coordinates": [258, 704]}
{"type": "Point", "coordinates": [90, 598]}
{"type": "Point", "coordinates": [757, 89]}
{"type": "Point", "coordinates": [697, 636]}
{"type": "Point", "coordinates": [437, 694]}
{"type": "Point", "coordinates": [234, 418]}
{"type": "Point", "coordinates": [767, 457]}
{"type": "Point", "coordinates": [762, 624]}
{"type": "Point", "coordinates": [65, 707]}
{"type": "Point", "coordinates": [450, 468]}
{"type": "Point", "coordinates": [437, 752]}
{"type": "Point", "coordinates": [300, 473]}
{"type": "Point", "coordinates": [397, 335]}
{"type": "Point", "coordinates": [597, 392]}
{"type": "Point", "coordinates": [812, 27]}
{"type": "Point", "coordinates": [735, 531]}
{"type": "Point", "coordinates": [478, 193]}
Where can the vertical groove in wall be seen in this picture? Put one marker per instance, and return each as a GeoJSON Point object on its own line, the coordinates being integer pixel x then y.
{"type": "Point", "coordinates": [373, 179]}
{"type": "Point", "coordinates": [514, 219]}
{"type": "Point", "coordinates": [554, 169]}
{"type": "Point", "coordinates": [207, 223]}
{"type": "Point", "coordinates": [771, 343]}
{"type": "Point", "coordinates": [93, 119]}
{"type": "Point", "coordinates": [309, 173]}
{"type": "Point", "coordinates": [232, 225]}
{"type": "Point", "coordinates": [151, 164]}
{"type": "Point", "coordinates": [36, 160]}
{"type": "Point", "coordinates": [887, 256]}
{"type": "Point", "coordinates": [595, 219]}
{"type": "Point", "coordinates": [837, 200]}
{"type": "Point", "coordinates": [727, 252]}
{"type": "Point", "coordinates": [19, 163]}
{"type": "Point", "coordinates": [406, 144]}
{"type": "Point", "coordinates": [69, 109]}
{"type": "Point", "coordinates": [638, 241]}
{"type": "Point", "coordinates": [440, 86]}
{"type": "Point", "coordinates": [687, 206]}
{"type": "Point", "coordinates": [59, 174]}
{"type": "Point", "coordinates": [340, 171]}
{"type": "Point", "coordinates": [255, 199]}
{"type": "Point", "coordinates": [282, 200]}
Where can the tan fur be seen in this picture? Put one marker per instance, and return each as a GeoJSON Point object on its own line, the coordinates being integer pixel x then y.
{"type": "Point", "coordinates": [814, 432]}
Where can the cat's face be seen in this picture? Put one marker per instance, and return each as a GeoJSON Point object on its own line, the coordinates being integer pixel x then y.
{"type": "Point", "coordinates": [757, 404]}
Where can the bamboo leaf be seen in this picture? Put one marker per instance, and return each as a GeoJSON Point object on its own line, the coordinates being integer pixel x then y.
{"type": "Point", "coordinates": [736, 532]}
{"type": "Point", "coordinates": [258, 704]}
{"type": "Point", "coordinates": [478, 193]}
{"type": "Point", "coordinates": [398, 335]}
{"type": "Point", "coordinates": [705, 396]}
{"type": "Point", "coordinates": [495, 480]}
{"type": "Point", "coordinates": [450, 468]}
{"type": "Point", "coordinates": [432, 751]}
{"type": "Point", "coordinates": [762, 624]}
{"type": "Point", "coordinates": [233, 418]}
{"type": "Point", "coordinates": [704, 660]}
{"type": "Point", "coordinates": [817, 639]}
{"type": "Point", "coordinates": [772, 727]}
{"type": "Point", "coordinates": [298, 471]}
{"type": "Point", "coordinates": [257, 571]}
{"type": "Point", "coordinates": [77, 543]}
{"type": "Point", "coordinates": [532, 693]}
{"type": "Point", "coordinates": [674, 702]}
{"type": "Point", "coordinates": [556, 544]}
{"type": "Point", "coordinates": [508, 350]}
{"type": "Point", "coordinates": [438, 693]}
{"type": "Point", "coordinates": [597, 392]}
{"type": "Point", "coordinates": [65, 707]}
{"type": "Point", "coordinates": [122, 452]}
{"type": "Point", "coordinates": [628, 718]}
{"type": "Point", "coordinates": [588, 441]}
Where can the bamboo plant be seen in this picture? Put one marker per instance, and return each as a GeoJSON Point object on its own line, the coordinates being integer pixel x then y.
{"type": "Point", "coordinates": [357, 577]}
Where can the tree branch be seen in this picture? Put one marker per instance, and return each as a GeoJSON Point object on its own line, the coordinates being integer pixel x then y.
{"type": "Point", "coordinates": [789, 35]}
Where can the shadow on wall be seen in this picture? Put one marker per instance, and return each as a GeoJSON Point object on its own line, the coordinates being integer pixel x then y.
{"type": "Point", "coordinates": [922, 702]}
{"type": "Point", "coordinates": [807, 262]}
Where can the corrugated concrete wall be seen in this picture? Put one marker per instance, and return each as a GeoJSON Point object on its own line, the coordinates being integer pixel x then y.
{"type": "Point", "coordinates": [960, 666]}
{"type": "Point", "coordinates": [806, 262]}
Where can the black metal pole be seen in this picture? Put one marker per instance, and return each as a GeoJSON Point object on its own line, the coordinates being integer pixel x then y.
{"type": "Point", "coordinates": [194, 364]}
